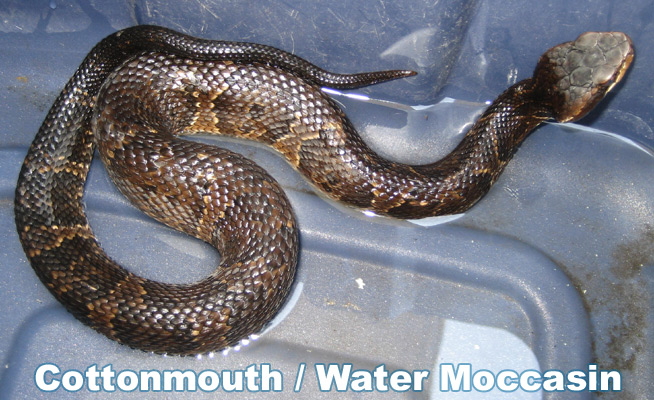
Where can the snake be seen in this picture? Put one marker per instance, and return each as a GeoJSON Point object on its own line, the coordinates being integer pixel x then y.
{"type": "Point", "coordinates": [142, 89]}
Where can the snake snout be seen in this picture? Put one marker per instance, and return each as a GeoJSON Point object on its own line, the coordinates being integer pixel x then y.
{"type": "Point", "coordinates": [578, 74]}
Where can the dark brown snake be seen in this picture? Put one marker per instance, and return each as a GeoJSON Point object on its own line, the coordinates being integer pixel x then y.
{"type": "Point", "coordinates": [141, 88]}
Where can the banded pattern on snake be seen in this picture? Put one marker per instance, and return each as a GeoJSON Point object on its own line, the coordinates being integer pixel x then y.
{"type": "Point", "coordinates": [142, 88]}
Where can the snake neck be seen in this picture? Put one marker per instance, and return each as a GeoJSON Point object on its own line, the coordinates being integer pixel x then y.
{"type": "Point", "coordinates": [456, 182]}
{"type": "Point", "coordinates": [469, 171]}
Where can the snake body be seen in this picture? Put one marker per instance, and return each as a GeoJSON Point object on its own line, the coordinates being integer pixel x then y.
{"type": "Point", "coordinates": [142, 88]}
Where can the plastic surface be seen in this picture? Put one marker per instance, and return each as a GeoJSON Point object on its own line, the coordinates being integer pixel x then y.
{"type": "Point", "coordinates": [553, 269]}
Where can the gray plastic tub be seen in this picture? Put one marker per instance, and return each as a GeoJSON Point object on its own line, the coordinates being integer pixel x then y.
{"type": "Point", "coordinates": [553, 270]}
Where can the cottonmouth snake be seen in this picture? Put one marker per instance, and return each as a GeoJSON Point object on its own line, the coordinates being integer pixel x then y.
{"type": "Point", "coordinates": [139, 89]}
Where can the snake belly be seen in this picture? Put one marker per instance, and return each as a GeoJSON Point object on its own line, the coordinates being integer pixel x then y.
{"type": "Point", "coordinates": [141, 89]}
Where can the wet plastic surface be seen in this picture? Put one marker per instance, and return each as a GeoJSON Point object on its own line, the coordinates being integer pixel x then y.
{"type": "Point", "coordinates": [551, 270]}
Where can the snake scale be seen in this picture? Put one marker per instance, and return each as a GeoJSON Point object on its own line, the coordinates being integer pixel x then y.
{"type": "Point", "coordinates": [140, 89]}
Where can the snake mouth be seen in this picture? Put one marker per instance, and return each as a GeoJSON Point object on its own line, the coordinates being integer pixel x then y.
{"type": "Point", "coordinates": [624, 67]}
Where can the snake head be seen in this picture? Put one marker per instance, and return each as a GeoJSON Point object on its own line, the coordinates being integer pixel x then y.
{"type": "Point", "coordinates": [577, 75]}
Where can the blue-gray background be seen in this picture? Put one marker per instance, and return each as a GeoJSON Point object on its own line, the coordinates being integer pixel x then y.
{"type": "Point", "coordinates": [559, 254]}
